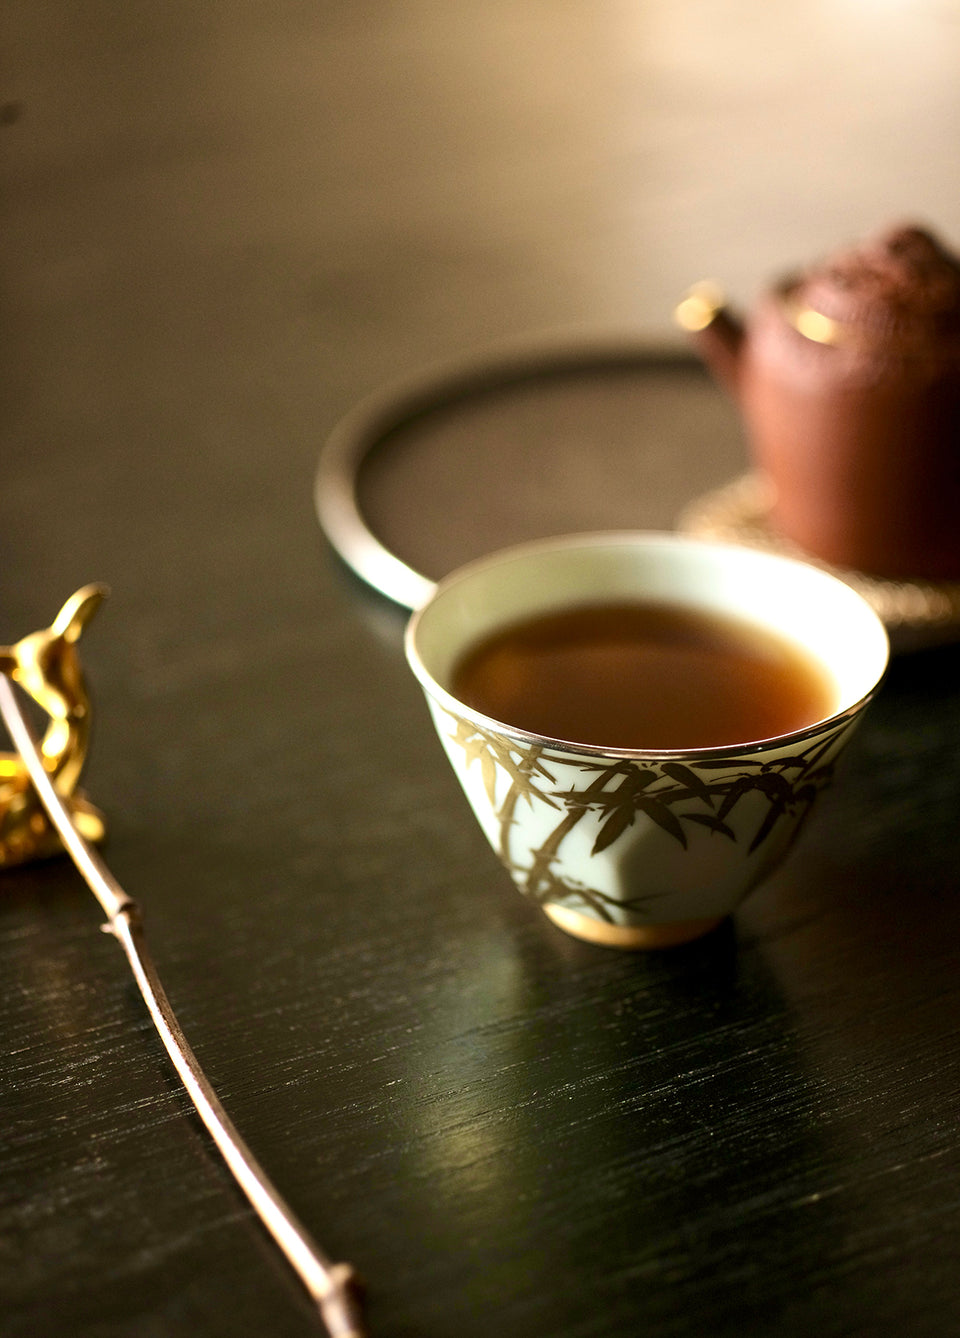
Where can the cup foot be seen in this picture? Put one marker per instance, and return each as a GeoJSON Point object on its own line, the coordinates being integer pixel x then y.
{"type": "Point", "coordinates": [634, 937]}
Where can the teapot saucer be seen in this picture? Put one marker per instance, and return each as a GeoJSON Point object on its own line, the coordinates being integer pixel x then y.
{"type": "Point", "coordinates": [917, 613]}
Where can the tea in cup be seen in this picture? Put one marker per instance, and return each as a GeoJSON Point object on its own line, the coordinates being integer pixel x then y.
{"type": "Point", "coordinates": [642, 722]}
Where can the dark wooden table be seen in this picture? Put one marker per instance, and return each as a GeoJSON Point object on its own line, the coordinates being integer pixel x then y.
{"type": "Point", "coordinates": [221, 225]}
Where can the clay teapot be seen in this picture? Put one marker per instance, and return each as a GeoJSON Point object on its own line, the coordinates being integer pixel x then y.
{"type": "Point", "coordinates": [848, 381]}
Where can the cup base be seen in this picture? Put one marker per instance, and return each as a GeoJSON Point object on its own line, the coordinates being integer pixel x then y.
{"type": "Point", "coordinates": [635, 937]}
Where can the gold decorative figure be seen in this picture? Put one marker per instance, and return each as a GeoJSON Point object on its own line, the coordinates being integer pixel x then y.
{"type": "Point", "coordinates": [47, 666]}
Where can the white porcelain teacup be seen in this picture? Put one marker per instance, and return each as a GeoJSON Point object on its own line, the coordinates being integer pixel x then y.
{"type": "Point", "coordinates": [643, 848]}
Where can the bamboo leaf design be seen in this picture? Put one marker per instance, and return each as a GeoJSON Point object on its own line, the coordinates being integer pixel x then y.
{"type": "Point", "coordinates": [632, 779]}
{"type": "Point", "coordinates": [694, 783]}
{"type": "Point", "coordinates": [480, 746]}
{"type": "Point", "coordinates": [769, 783]}
{"type": "Point", "coordinates": [596, 795]}
{"type": "Point", "coordinates": [597, 903]}
{"type": "Point", "coordinates": [547, 852]}
{"type": "Point", "coordinates": [671, 793]}
{"type": "Point", "coordinates": [619, 820]}
{"type": "Point", "coordinates": [736, 791]}
{"type": "Point", "coordinates": [608, 770]}
{"type": "Point", "coordinates": [474, 749]}
{"type": "Point", "coordinates": [774, 814]}
{"type": "Point", "coordinates": [817, 755]}
{"type": "Point", "coordinates": [638, 780]}
{"type": "Point", "coordinates": [711, 821]}
{"type": "Point", "coordinates": [488, 771]}
{"type": "Point", "coordinates": [662, 816]}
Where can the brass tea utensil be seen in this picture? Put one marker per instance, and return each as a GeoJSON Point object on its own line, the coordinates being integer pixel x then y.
{"type": "Point", "coordinates": [47, 667]}
{"type": "Point", "coordinates": [39, 803]}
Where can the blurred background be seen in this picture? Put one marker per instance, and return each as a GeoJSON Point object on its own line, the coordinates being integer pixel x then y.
{"type": "Point", "coordinates": [277, 204]}
{"type": "Point", "coordinates": [222, 223]}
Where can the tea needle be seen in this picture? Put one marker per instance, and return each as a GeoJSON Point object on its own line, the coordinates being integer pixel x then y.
{"type": "Point", "coordinates": [333, 1286]}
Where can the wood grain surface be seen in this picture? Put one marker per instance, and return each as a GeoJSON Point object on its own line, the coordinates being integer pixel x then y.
{"type": "Point", "coordinates": [221, 225]}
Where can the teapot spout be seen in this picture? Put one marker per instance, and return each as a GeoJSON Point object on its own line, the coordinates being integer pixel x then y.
{"type": "Point", "coordinates": [716, 332]}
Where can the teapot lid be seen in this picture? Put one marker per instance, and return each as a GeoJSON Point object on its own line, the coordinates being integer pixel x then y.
{"type": "Point", "coordinates": [901, 288]}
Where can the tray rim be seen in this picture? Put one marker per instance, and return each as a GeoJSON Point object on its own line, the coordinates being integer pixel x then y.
{"type": "Point", "coordinates": [374, 418]}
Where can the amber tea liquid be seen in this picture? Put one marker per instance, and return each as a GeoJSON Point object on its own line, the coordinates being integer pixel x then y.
{"type": "Point", "coordinates": [644, 676]}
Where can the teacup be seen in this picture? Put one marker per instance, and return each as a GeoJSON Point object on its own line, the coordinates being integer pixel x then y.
{"type": "Point", "coordinates": [638, 848]}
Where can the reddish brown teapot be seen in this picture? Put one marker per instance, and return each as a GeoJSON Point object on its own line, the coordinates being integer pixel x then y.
{"type": "Point", "coordinates": [848, 379]}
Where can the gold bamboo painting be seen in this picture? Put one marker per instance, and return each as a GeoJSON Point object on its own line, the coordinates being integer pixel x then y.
{"type": "Point", "coordinates": [710, 795]}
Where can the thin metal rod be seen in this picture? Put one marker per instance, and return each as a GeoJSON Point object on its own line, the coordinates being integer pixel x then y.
{"type": "Point", "coordinates": [333, 1287]}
